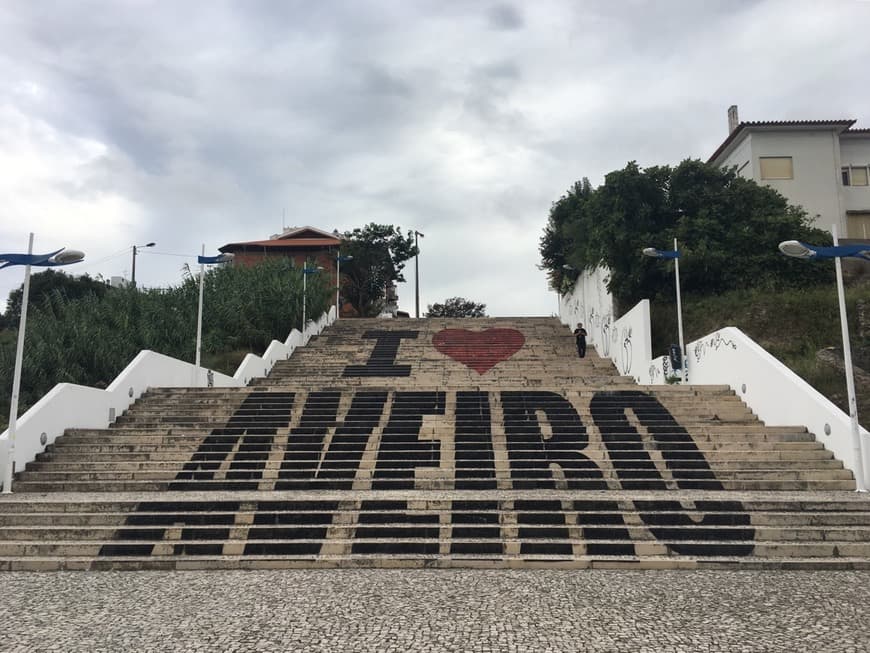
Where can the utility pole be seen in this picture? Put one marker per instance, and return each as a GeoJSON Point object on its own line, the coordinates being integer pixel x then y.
{"type": "Point", "coordinates": [133, 273]}
{"type": "Point", "coordinates": [417, 274]}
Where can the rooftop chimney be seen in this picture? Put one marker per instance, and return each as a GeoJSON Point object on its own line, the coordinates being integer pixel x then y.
{"type": "Point", "coordinates": [733, 120]}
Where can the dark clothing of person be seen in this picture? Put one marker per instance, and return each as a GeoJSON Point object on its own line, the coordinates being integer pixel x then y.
{"type": "Point", "coordinates": [580, 336]}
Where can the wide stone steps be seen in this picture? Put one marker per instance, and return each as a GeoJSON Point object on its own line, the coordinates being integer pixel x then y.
{"type": "Point", "coordinates": [437, 443]}
{"type": "Point", "coordinates": [580, 529]}
{"type": "Point", "coordinates": [726, 483]}
{"type": "Point", "coordinates": [543, 354]}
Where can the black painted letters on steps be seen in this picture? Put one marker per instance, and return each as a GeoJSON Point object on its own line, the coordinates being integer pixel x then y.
{"type": "Point", "coordinates": [382, 361]}
{"type": "Point", "coordinates": [545, 438]}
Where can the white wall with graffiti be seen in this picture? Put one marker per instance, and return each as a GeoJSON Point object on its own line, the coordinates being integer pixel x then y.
{"type": "Point", "coordinates": [725, 357]}
{"type": "Point", "coordinates": [625, 341]}
{"type": "Point", "coordinates": [589, 304]}
{"type": "Point", "coordinates": [775, 394]}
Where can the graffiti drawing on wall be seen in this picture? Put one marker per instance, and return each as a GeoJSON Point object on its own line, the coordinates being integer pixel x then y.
{"type": "Point", "coordinates": [626, 350]}
{"type": "Point", "coordinates": [715, 343]}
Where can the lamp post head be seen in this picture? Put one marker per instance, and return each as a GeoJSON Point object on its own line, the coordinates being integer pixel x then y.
{"type": "Point", "coordinates": [343, 259]}
{"type": "Point", "coordinates": [220, 258]}
{"type": "Point", "coordinates": [661, 253]}
{"type": "Point", "coordinates": [67, 257]}
{"type": "Point", "coordinates": [796, 249]}
{"type": "Point", "coordinates": [52, 259]}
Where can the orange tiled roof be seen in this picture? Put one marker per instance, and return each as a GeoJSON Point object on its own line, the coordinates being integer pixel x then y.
{"type": "Point", "coordinates": [288, 243]}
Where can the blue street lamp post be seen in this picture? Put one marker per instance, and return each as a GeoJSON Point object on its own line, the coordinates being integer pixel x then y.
{"type": "Point", "coordinates": [675, 255]}
{"type": "Point", "coordinates": [204, 260]}
{"type": "Point", "coordinates": [797, 249]}
{"type": "Point", "coordinates": [62, 256]}
{"type": "Point", "coordinates": [338, 261]}
{"type": "Point", "coordinates": [305, 272]}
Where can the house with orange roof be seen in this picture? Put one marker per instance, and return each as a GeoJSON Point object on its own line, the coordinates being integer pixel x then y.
{"type": "Point", "coordinates": [299, 244]}
{"type": "Point", "coordinates": [302, 245]}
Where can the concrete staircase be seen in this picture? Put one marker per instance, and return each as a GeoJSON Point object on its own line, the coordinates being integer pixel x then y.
{"type": "Point", "coordinates": [436, 443]}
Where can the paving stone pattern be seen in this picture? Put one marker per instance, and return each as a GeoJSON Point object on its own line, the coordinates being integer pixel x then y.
{"type": "Point", "coordinates": [521, 611]}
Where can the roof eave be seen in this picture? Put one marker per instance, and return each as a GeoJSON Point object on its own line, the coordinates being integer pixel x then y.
{"type": "Point", "coordinates": [730, 143]}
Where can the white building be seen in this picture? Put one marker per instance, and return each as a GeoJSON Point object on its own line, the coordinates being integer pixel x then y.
{"type": "Point", "coordinates": [821, 165]}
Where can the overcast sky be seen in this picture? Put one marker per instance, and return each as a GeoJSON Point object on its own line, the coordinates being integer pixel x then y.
{"type": "Point", "coordinates": [129, 121]}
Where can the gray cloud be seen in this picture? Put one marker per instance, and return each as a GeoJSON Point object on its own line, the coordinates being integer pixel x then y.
{"type": "Point", "coordinates": [203, 121]}
{"type": "Point", "coordinates": [505, 17]}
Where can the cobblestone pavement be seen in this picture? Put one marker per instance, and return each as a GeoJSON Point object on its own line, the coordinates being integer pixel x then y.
{"type": "Point", "coordinates": [433, 610]}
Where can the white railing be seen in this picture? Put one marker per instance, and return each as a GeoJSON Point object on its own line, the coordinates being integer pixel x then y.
{"type": "Point", "coordinates": [68, 405]}
{"type": "Point", "coordinates": [773, 392]}
{"type": "Point", "coordinates": [725, 357]}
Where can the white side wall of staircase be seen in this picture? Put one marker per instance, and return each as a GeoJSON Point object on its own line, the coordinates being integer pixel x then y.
{"type": "Point", "coordinates": [773, 392]}
{"type": "Point", "coordinates": [68, 405]}
{"type": "Point", "coordinates": [725, 357]}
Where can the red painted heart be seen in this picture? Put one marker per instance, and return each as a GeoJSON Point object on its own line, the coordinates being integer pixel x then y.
{"type": "Point", "coordinates": [479, 350]}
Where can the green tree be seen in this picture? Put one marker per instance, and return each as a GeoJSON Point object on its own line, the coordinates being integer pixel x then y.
{"type": "Point", "coordinates": [50, 283]}
{"type": "Point", "coordinates": [457, 307]}
{"type": "Point", "coordinates": [555, 244]}
{"type": "Point", "coordinates": [379, 256]}
{"type": "Point", "coordinates": [728, 230]}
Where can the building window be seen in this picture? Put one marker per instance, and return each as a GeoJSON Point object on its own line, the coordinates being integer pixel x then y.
{"type": "Point", "coordinates": [776, 167]}
{"type": "Point", "coordinates": [855, 176]}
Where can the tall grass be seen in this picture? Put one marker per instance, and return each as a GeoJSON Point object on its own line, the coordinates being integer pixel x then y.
{"type": "Point", "coordinates": [792, 325]}
{"type": "Point", "coordinates": [91, 339]}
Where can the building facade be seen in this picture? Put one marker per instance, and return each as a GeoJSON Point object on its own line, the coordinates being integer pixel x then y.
{"type": "Point", "coordinates": [300, 244]}
{"type": "Point", "coordinates": [304, 245]}
{"type": "Point", "coordinates": [821, 165]}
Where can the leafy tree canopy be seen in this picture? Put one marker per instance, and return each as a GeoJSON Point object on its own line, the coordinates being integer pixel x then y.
{"type": "Point", "coordinates": [457, 307]}
{"type": "Point", "coordinates": [379, 255]}
{"type": "Point", "coordinates": [47, 284]}
{"type": "Point", "coordinates": [727, 227]}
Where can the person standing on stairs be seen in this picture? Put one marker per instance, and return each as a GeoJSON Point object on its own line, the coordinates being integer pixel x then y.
{"type": "Point", "coordinates": [580, 337]}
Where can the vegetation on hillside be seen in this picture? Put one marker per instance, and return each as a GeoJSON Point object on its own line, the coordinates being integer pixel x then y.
{"type": "Point", "coordinates": [727, 227]}
{"type": "Point", "coordinates": [90, 338]}
{"type": "Point", "coordinates": [793, 325]}
{"type": "Point", "coordinates": [456, 307]}
{"type": "Point", "coordinates": [732, 274]}
{"type": "Point", "coordinates": [49, 283]}
{"type": "Point", "coordinates": [379, 255]}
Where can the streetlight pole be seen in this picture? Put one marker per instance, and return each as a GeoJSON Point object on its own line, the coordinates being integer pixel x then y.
{"type": "Point", "coordinates": [203, 261]}
{"type": "Point", "coordinates": [675, 255]}
{"type": "Point", "coordinates": [133, 272]}
{"type": "Point", "coordinates": [338, 259]}
{"type": "Point", "coordinates": [680, 315]}
{"type": "Point", "coordinates": [59, 257]}
{"type": "Point", "coordinates": [798, 249]}
{"type": "Point", "coordinates": [417, 274]}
